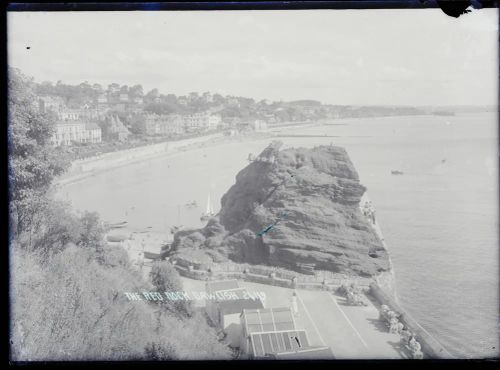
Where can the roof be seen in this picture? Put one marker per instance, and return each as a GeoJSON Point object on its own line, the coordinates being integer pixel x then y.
{"type": "Point", "coordinates": [311, 353]}
{"type": "Point", "coordinates": [216, 286]}
{"type": "Point", "coordinates": [286, 341]}
{"type": "Point", "coordinates": [268, 319]}
{"type": "Point", "coordinates": [69, 123]}
{"type": "Point", "coordinates": [232, 306]}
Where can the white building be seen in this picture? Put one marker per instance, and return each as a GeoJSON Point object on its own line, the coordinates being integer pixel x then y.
{"type": "Point", "coordinates": [164, 124]}
{"type": "Point", "coordinates": [67, 132]}
{"type": "Point", "coordinates": [226, 305]}
{"type": "Point", "coordinates": [68, 114]}
{"type": "Point", "coordinates": [259, 125]}
{"type": "Point", "coordinates": [93, 133]}
{"type": "Point", "coordinates": [201, 122]}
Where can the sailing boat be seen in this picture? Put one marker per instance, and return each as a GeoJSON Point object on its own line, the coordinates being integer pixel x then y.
{"type": "Point", "coordinates": [209, 212]}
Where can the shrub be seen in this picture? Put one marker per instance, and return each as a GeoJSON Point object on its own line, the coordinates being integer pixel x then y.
{"type": "Point", "coordinates": [165, 278]}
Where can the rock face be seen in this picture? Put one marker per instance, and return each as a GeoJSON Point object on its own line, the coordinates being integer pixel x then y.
{"type": "Point", "coordinates": [291, 207]}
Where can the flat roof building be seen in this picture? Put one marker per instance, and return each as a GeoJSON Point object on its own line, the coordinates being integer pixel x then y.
{"type": "Point", "coordinates": [225, 303]}
{"type": "Point", "coordinates": [271, 333]}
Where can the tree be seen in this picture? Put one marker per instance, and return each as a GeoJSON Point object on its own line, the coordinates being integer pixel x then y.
{"type": "Point", "coordinates": [33, 162]}
{"type": "Point", "coordinates": [92, 232]}
{"type": "Point", "coordinates": [165, 278]}
{"type": "Point", "coordinates": [138, 124]}
{"type": "Point", "coordinates": [136, 91]}
{"type": "Point", "coordinates": [151, 96]}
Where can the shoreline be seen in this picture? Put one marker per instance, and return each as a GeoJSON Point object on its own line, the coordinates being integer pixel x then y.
{"type": "Point", "coordinates": [83, 168]}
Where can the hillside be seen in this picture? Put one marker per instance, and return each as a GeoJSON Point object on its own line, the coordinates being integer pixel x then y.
{"type": "Point", "coordinates": [292, 206]}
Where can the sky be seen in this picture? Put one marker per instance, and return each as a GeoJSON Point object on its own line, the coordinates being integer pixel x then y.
{"type": "Point", "coordinates": [370, 57]}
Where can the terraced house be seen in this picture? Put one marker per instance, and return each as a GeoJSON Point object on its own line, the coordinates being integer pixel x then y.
{"type": "Point", "coordinates": [69, 132]}
{"type": "Point", "coordinates": [203, 121]}
{"type": "Point", "coordinates": [164, 124]}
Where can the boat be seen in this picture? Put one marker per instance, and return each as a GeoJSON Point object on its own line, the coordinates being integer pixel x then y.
{"type": "Point", "coordinates": [116, 225]}
{"type": "Point", "coordinates": [209, 213]}
{"type": "Point", "coordinates": [192, 204]}
{"type": "Point", "coordinates": [396, 172]}
{"type": "Point", "coordinates": [251, 157]}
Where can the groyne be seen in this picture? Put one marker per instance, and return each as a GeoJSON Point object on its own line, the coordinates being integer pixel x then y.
{"type": "Point", "coordinates": [430, 346]}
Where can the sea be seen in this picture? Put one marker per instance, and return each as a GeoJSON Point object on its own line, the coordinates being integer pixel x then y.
{"type": "Point", "coordinates": [439, 218]}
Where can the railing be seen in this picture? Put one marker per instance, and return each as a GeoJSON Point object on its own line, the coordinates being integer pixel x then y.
{"type": "Point", "coordinates": [264, 275]}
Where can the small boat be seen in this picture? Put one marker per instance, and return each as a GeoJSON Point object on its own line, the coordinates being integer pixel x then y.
{"type": "Point", "coordinates": [251, 157]}
{"type": "Point", "coordinates": [209, 213]}
{"type": "Point", "coordinates": [116, 225]}
{"type": "Point", "coordinates": [396, 172]}
{"type": "Point", "coordinates": [151, 255]}
{"type": "Point", "coordinates": [192, 204]}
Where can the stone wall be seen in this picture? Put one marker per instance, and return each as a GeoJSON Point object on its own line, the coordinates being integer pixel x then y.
{"type": "Point", "coordinates": [259, 275]}
{"type": "Point", "coordinates": [430, 346]}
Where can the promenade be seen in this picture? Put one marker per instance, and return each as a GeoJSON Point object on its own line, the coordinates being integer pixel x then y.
{"type": "Point", "coordinates": [352, 332]}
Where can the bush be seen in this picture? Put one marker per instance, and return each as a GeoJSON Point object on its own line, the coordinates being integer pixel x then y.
{"type": "Point", "coordinates": [165, 278]}
{"type": "Point", "coordinates": [115, 255]}
{"type": "Point", "coordinates": [72, 308]}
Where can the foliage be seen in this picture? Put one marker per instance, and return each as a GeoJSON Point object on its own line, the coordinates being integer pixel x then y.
{"type": "Point", "coordinates": [138, 124]}
{"type": "Point", "coordinates": [72, 308]}
{"type": "Point", "coordinates": [33, 163]}
{"type": "Point", "coordinates": [92, 232]}
{"type": "Point", "coordinates": [165, 278]}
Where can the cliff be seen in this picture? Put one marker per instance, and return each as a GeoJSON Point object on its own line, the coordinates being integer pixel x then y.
{"type": "Point", "coordinates": [291, 207]}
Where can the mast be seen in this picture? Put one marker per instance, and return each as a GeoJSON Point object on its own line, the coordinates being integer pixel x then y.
{"type": "Point", "coordinates": [209, 208]}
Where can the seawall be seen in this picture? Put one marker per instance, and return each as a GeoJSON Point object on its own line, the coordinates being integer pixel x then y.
{"type": "Point", "coordinates": [83, 168]}
{"type": "Point", "coordinates": [430, 346]}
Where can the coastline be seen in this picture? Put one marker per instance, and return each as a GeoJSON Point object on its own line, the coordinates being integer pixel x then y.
{"type": "Point", "coordinates": [83, 168]}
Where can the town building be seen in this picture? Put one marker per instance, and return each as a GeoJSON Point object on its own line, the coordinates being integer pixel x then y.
{"type": "Point", "coordinates": [259, 125]}
{"type": "Point", "coordinates": [207, 97]}
{"type": "Point", "coordinates": [115, 130]}
{"type": "Point", "coordinates": [68, 132]}
{"type": "Point", "coordinates": [102, 99]}
{"type": "Point", "coordinates": [50, 103]}
{"type": "Point", "coordinates": [202, 121]}
{"type": "Point", "coordinates": [272, 333]}
{"type": "Point", "coordinates": [68, 114]}
{"type": "Point", "coordinates": [233, 102]}
{"type": "Point", "coordinates": [90, 113]}
{"type": "Point", "coordinates": [226, 305]}
{"type": "Point", "coordinates": [138, 100]}
{"type": "Point", "coordinates": [117, 101]}
{"type": "Point", "coordinates": [93, 133]}
{"type": "Point", "coordinates": [164, 124]}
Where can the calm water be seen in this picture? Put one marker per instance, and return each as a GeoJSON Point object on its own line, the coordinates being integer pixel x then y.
{"type": "Point", "coordinates": [439, 219]}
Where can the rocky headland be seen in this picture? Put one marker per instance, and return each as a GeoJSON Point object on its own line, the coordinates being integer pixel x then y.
{"type": "Point", "coordinates": [290, 208]}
